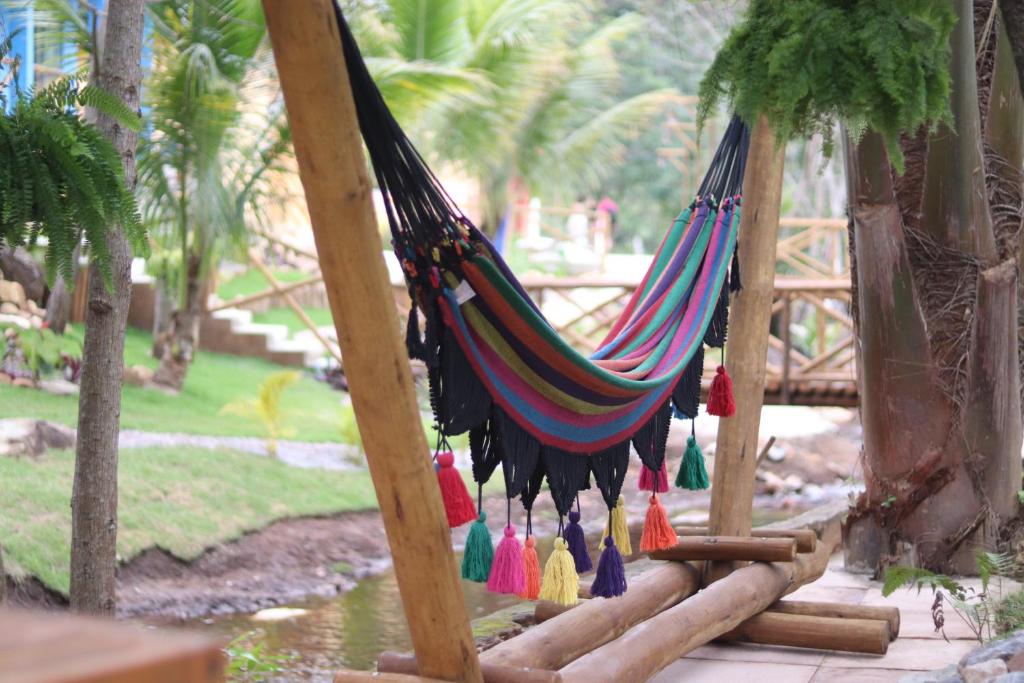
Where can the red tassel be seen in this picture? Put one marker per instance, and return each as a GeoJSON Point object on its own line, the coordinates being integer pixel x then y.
{"type": "Point", "coordinates": [647, 479]}
{"type": "Point", "coordinates": [658, 533]}
{"type": "Point", "coordinates": [720, 399]}
{"type": "Point", "coordinates": [458, 505]}
{"type": "Point", "coordinates": [531, 571]}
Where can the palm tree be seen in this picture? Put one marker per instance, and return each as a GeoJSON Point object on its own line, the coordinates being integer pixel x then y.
{"type": "Point", "coordinates": [549, 115]}
{"type": "Point", "coordinates": [217, 139]}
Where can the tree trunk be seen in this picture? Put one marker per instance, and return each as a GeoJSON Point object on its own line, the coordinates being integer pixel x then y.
{"type": "Point", "coordinates": [935, 256]}
{"type": "Point", "coordinates": [178, 345]}
{"type": "Point", "coordinates": [3, 579]}
{"type": "Point", "coordinates": [58, 306]}
{"type": "Point", "coordinates": [94, 497]}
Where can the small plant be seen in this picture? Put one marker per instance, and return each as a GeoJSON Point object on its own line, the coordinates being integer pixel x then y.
{"type": "Point", "coordinates": [248, 660]}
{"type": "Point", "coordinates": [267, 407]}
{"type": "Point", "coordinates": [978, 609]}
{"type": "Point", "coordinates": [40, 352]}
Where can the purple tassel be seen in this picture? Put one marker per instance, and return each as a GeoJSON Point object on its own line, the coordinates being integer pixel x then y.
{"type": "Point", "coordinates": [647, 478]}
{"type": "Point", "coordinates": [577, 543]}
{"type": "Point", "coordinates": [610, 580]}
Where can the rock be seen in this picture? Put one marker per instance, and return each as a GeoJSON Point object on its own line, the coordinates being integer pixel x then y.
{"type": "Point", "coordinates": [278, 614]}
{"type": "Point", "coordinates": [1002, 649]}
{"type": "Point", "coordinates": [5, 378]}
{"type": "Point", "coordinates": [24, 382]}
{"type": "Point", "coordinates": [32, 308]}
{"type": "Point", "coordinates": [12, 292]}
{"type": "Point", "coordinates": [983, 671]}
{"type": "Point", "coordinates": [18, 266]}
{"type": "Point", "coordinates": [773, 483]}
{"type": "Point", "coordinates": [28, 437]}
{"type": "Point", "coordinates": [946, 675]}
{"type": "Point", "coordinates": [776, 453]}
{"type": "Point", "coordinates": [58, 386]}
{"type": "Point", "coordinates": [7, 318]}
{"type": "Point", "coordinates": [794, 482]}
{"type": "Point", "coordinates": [1016, 662]}
{"type": "Point", "coordinates": [9, 308]}
{"type": "Point", "coordinates": [36, 321]}
{"type": "Point", "coordinates": [138, 375]}
{"type": "Point", "coordinates": [1012, 677]}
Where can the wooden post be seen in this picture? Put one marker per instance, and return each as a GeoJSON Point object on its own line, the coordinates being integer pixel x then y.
{"type": "Point", "coordinates": [310, 65]}
{"type": "Point", "coordinates": [732, 493]}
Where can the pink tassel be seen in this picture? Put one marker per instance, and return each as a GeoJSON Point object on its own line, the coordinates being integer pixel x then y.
{"type": "Point", "coordinates": [720, 398]}
{"type": "Point", "coordinates": [507, 572]}
{"type": "Point", "coordinates": [458, 506]}
{"type": "Point", "coordinates": [647, 478]}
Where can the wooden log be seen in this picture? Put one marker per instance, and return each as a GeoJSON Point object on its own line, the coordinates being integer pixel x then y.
{"type": "Point", "coordinates": [557, 642]}
{"type": "Point", "coordinates": [405, 663]}
{"type": "Point", "coordinates": [806, 539]}
{"type": "Point", "coordinates": [839, 610]}
{"type": "Point", "coordinates": [329, 151]}
{"type": "Point", "coordinates": [350, 676]}
{"type": "Point", "coordinates": [867, 636]}
{"type": "Point", "coordinates": [729, 548]}
{"type": "Point", "coordinates": [732, 491]}
{"type": "Point", "coordinates": [656, 642]}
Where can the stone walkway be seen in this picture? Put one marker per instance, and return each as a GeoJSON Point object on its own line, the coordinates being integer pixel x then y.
{"type": "Point", "coordinates": [918, 648]}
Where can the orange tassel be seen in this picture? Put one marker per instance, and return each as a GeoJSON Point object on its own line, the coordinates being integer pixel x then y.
{"type": "Point", "coordinates": [720, 398]}
{"type": "Point", "coordinates": [658, 533]}
{"type": "Point", "coordinates": [531, 569]}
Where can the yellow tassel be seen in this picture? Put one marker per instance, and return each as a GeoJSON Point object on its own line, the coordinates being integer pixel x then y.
{"type": "Point", "coordinates": [561, 583]}
{"type": "Point", "coordinates": [620, 528]}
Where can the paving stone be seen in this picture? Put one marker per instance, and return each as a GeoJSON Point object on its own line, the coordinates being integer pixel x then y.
{"type": "Point", "coordinates": [747, 652]}
{"type": "Point", "coordinates": [908, 654]}
{"type": "Point", "coordinates": [828, 674]}
{"type": "Point", "coordinates": [711, 671]}
{"type": "Point", "coordinates": [946, 675]}
{"type": "Point", "coordinates": [1012, 677]}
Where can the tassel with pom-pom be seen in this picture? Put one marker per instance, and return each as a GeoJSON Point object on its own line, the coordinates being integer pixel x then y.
{"type": "Point", "coordinates": [458, 506]}
{"type": "Point", "coordinates": [619, 528]}
{"type": "Point", "coordinates": [561, 583]}
{"type": "Point", "coordinates": [479, 552]}
{"type": "Point", "coordinates": [610, 580]}
{"type": "Point", "coordinates": [577, 543]}
{"type": "Point", "coordinates": [692, 473]}
{"type": "Point", "coordinates": [649, 482]}
{"type": "Point", "coordinates": [507, 568]}
{"type": "Point", "coordinates": [720, 398]}
{"type": "Point", "coordinates": [658, 533]}
{"type": "Point", "coordinates": [531, 571]}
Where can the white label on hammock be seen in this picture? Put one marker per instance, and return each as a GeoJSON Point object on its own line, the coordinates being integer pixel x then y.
{"type": "Point", "coordinates": [464, 292]}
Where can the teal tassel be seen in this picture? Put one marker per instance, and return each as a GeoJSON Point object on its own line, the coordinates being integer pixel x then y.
{"type": "Point", "coordinates": [479, 552]}
{"type": "Point", "coordinates": [692, 474]}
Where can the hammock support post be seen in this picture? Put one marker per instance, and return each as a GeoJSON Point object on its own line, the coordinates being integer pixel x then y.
{"type": "Point", "coordinates": [329, 150]}
{"type": "Point", "coordinates": [732, 491]}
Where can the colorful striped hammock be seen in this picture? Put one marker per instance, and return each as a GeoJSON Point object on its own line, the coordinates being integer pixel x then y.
{"type": "Point", "coordinates": [531, 402]}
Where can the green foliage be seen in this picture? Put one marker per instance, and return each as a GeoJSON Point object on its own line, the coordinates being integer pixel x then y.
{"type": "Point", "coordinates": [62, 177]}
{"type": "Point", "coordinates": [248, 660]}
{"type": "Point", "coordinates": [44, 351]}
{"type": "Point", "coordinates": [915, 577]}
{"type": "Point", "coordinates": [267, 407]}
{"type": "Point", "coordinates": [810, 64]}
{"type": "Point", "coordinates": [1009, 615]}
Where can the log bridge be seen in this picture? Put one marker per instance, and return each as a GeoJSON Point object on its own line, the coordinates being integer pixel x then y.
{"type": "Point", "coordinates": [725, 582]}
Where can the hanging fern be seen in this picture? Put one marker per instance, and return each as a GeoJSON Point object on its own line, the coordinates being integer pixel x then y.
{"type": "Point", "coordinates": [61, 177]}
{"type": "Point", "coordinates": [809, 64]}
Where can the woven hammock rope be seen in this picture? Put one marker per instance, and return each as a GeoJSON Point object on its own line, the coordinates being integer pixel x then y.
{"type": "Point", "coordinates": [498, 370]}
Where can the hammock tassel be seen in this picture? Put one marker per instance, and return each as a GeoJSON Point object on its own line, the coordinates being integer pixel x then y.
{"type": "Point", "coordinates": [577, 543]}
{"type": "Point", "coordinates": [720, 398]}
{"type": "Point", "coordinates": [479, 552]}
{"type": "Point", "coordinates": [619, 528]}
{"type": "Point", "coordinates": [458, 505]}
{"type": "Point", "coordinates": [692, 476]}
{"type": "Point", "coordinates": [658, 533]}
{"type": "Point", "coordinates": [610, 580]}
{"type": "Point", "coordinates": [531, 571]}
{"type": "Point", "coordinates": [648, 482]}
{"type": "Point", "coordinates": [507, 574]}
{"type": "Point", "coordinates": [561, 583]}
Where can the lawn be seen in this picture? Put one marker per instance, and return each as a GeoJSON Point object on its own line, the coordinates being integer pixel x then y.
{"type": "Point", "coordinates": [287, 317]}
{"type": "Point", "coordinates": [213, 380]}
{"type": "Point", "coordinates": [182, 500]}
{"type": "Point", "coordinates": [252, 281]}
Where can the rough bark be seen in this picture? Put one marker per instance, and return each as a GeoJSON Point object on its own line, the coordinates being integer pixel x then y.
{"type": "Point", "coordinates": [1013, 13]}
{"type": "Point", "coordinates": [936, 289]}
{"type": "Point", "coordinates": [94, 496]}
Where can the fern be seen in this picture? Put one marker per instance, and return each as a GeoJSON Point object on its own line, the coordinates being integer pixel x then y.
{"type": "Point", "coordinates": [810, 64]}
{"type": "Point", "coordinates": [63, 178]}
{"type": "Point", "coordinates": [915, 577]}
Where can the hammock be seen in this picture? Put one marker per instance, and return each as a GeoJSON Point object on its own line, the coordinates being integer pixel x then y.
{"type": "Point", "coordinates": [530, 402]}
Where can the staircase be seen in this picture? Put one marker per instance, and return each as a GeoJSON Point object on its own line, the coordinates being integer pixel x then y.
{"type": "Point", "coordinates": [232, 331]}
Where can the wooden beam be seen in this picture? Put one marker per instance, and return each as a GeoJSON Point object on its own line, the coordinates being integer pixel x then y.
{"type": "Point", "coordinates": [405, 663]}
{"type": "Point", "coordinates": [732, 492]}
{"type": "Point", "coordinates": [311, 68]}
{"type": "Point", "coordinates": [557, 642]}
{"type": "Point", "coordinates": [839, 610]}
{"type": "Point", "coordinates": [653, 644]}
{"type": "Point", "coordinates": [806, 539]}
{"type": "Point", "coordinates": [350, 676]}
{"type": "Point", "coordinates": [866, 636]}
{"type": "Point", "coordinates": [729, 548]}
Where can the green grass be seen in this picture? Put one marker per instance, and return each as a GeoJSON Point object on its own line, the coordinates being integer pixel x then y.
{"type": "Point", "coordinates": [287, 317]}
{"type": "Point", "coordinates": [252, 281]}
{"type": "Point", "coordinates": [182, 500]}
{"type": "Point", "coordinates": [213, 381]}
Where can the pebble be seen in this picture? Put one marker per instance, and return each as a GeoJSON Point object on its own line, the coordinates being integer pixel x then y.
{"type": "Point", "coordinates": [983, 671]}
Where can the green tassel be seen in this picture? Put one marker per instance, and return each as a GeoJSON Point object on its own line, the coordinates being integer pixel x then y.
{"type": "Point", "coordinates": [692, 474]}
{"type": "Point", "coordinates": [479, 552]}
